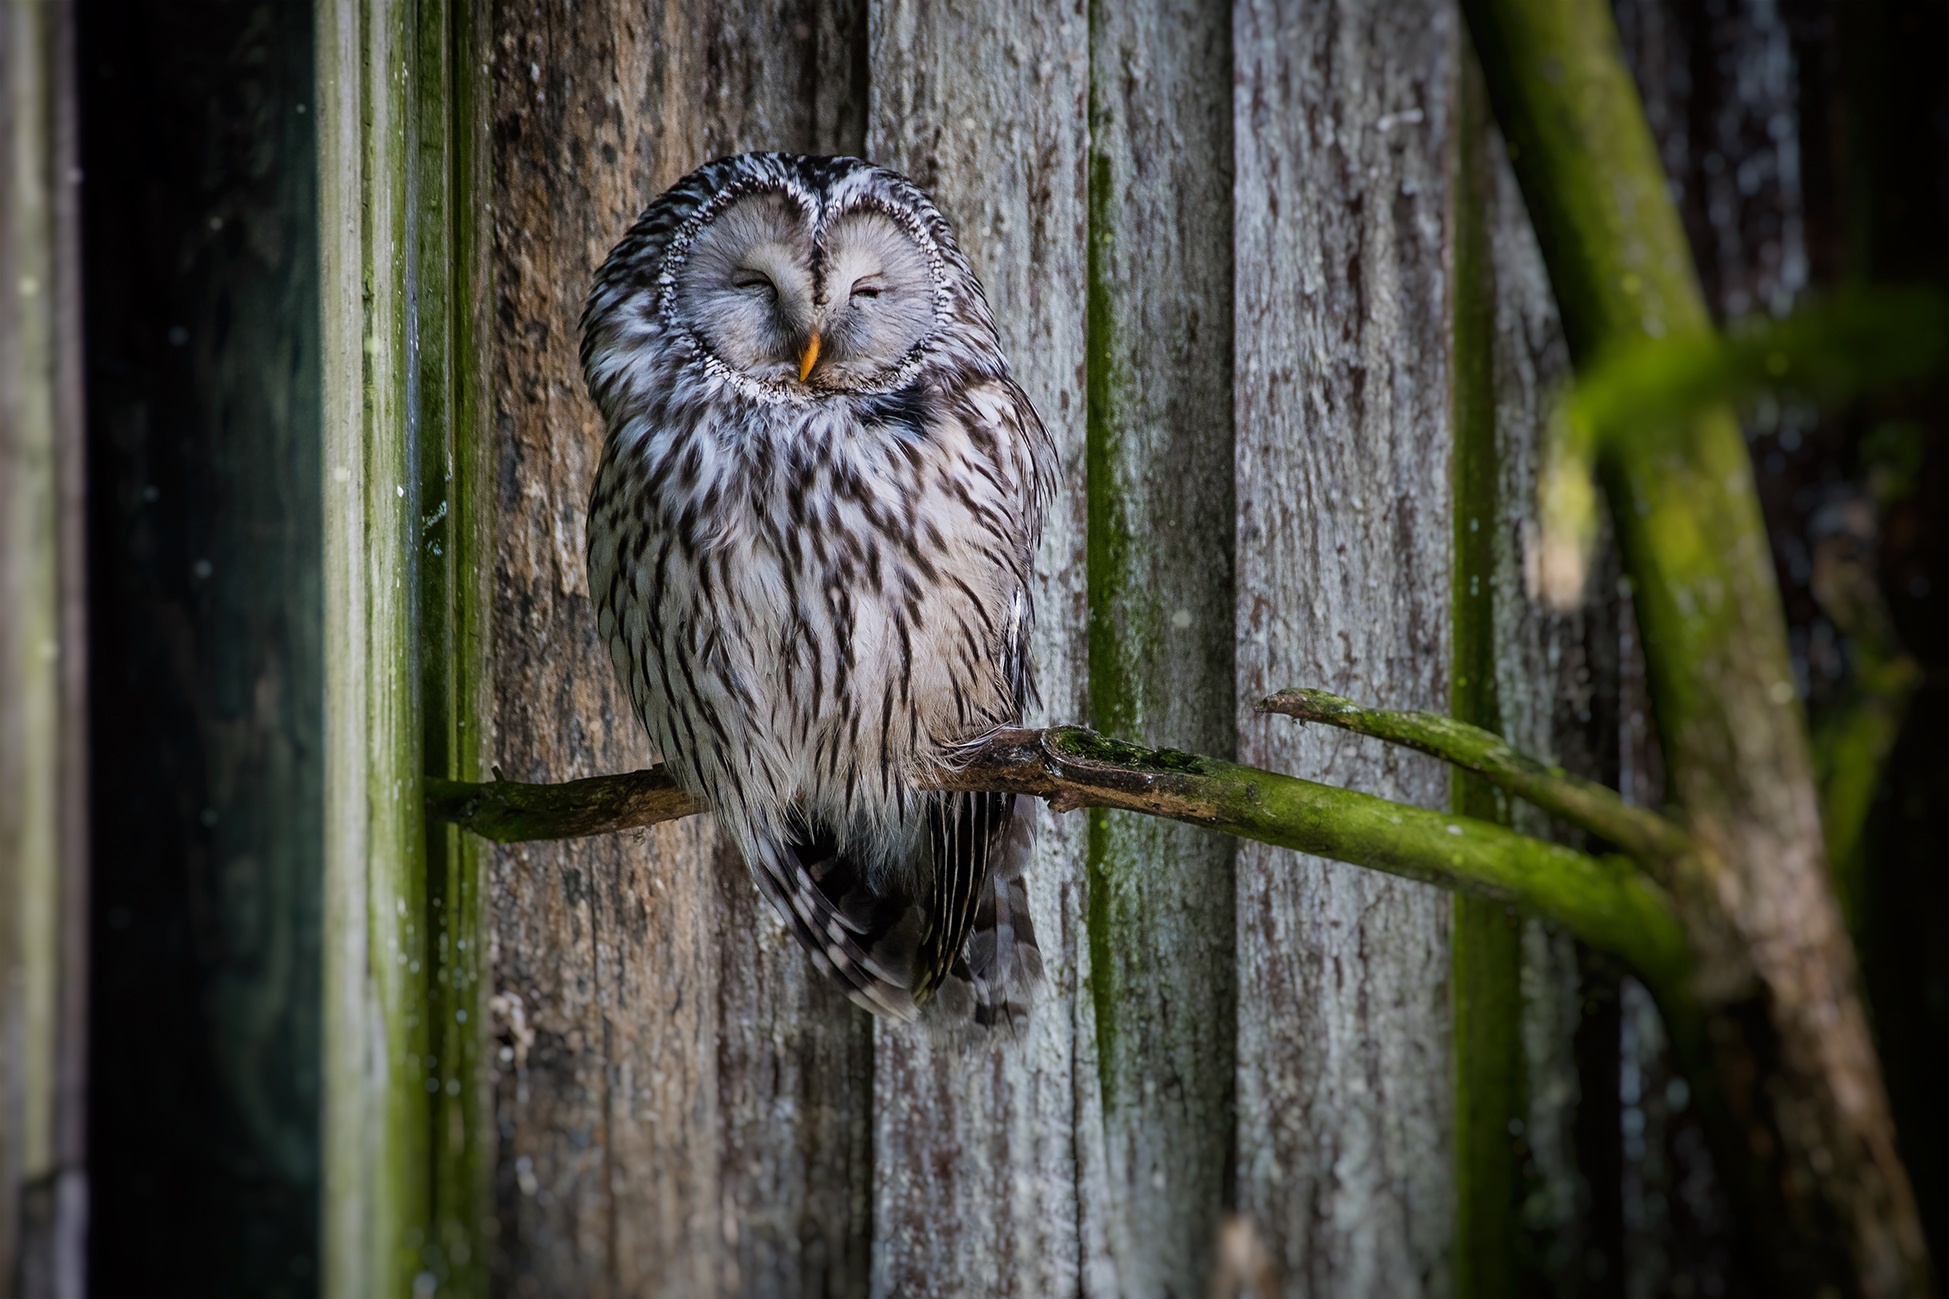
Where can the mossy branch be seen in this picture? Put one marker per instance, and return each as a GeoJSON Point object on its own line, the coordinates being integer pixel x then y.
{"type": "Point", "coordinates": [1652, 840]}
{"type": "Point", "coordinates": [511, 811]}
{"type": "Point", "coordinates": [1606, 902]}
{"type": "Point", "coordinates": [1790, 1089]}
{"type": "Point", "coordinates": [1828, 352]}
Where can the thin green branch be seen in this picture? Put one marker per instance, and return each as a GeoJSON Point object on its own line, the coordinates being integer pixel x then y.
{"type": "Point", "coordinates": [1650, 838]}
{"type": "Point", "coordinates": [1854, 737]}
{"type": "Point", "coordinates": [1852, 745]}
{"type": "Point", "coordinates": [1606, 902]}
{"type": "Point", "coordinates": [1829, 351]}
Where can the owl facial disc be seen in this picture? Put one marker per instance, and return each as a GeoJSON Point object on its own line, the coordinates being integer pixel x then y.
{"type": "Point", "coordinates": [796, 299]}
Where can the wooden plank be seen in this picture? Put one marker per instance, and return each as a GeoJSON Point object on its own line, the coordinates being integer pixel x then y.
{"type": "Point", "coordinates": [682, 1102]}
{"type": "Point", "coordinates": [375, 1107]}
{"type": "Point", "coordinates": [1161, 626]}
{"type": "Point", "coordinates": [988, 1159]}
{"type": "Point", "coordinates": [43, 664]}
{"type": "Point", "coordinates": [1556, 685]}
{"type": "Point", "coordinates": [1343, 140]}
{"type": "Point", "coordinates": [452, 316]}
{"type": "Point", "coordinates": [1550, 687]}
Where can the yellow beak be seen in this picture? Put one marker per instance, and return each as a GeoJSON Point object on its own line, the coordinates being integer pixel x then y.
{"type": "Point", "coordinates": [810, 357]}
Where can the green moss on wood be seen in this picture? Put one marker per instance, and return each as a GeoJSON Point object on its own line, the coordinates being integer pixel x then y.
{"type": "Point", "coordinates": [1107, 546]}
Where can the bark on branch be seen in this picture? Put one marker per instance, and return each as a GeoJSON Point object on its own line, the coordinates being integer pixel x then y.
{"type": "Point", "coordinates": [1605, 902]}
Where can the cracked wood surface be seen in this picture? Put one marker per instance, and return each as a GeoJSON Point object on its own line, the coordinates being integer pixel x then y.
{"type": "Point", "coordinates": [1344, 437]}
{"type": "Point", "coordinates": [683, 1104]}
{"type": "Point", "coordinates": [1161, 598]}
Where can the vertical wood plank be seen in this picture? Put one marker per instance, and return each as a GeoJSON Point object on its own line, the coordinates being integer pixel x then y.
{"type": "Point", "coordinates": [43, 664]}
{"type": "Point", "coordinates": [682, 1101]}
{"type": "Point", "coordinates": [1161, 627]}
{"type": "Point", "coordinates": [376, 1156]}
{"type": "Point", "coordinates": [1556, 691]}
{"type": "Point", "coordinates": [450, 312]}
{"type": "Point", "coordinates": [1548, 683]}
{"type": "Point", "coordinates": [1342, 128]}
{"type": "Point", "coordinates": [988, 1156]}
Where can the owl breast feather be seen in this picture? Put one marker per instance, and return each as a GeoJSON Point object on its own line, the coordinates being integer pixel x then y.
{"type": "Point", "coordinates": [811, 602]}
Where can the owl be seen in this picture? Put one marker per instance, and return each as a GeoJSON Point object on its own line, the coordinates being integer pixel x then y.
{"type": "Point", "coordinates": [811, 540]}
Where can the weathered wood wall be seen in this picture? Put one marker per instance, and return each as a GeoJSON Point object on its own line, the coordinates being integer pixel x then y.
{"type": "Point", "coordinates": [1344, 574]}
{"type": "Point", "coordinates": [987, 1170]}
{"type": "Point", "coordinates": [1161, 508]}
{"type": "Point", "coordinates": [1553, 689]}
{"type": "Point", "coordinates": [681, 1106]}
{"type": "Point", "coordinates": [1266, 274]}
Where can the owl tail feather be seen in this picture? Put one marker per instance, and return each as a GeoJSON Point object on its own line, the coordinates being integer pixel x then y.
{"type": "Point", "coordinates": [955, 931]}
{"type": "Point", "coordinates": [990, 983]}
{"type": "Point", "coordinates": [860, 939]}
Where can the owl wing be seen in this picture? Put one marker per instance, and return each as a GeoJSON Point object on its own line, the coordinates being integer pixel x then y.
{"type": "Point", "coordinates": [979, 957]}
{"type": "Point", "coordinates": [863, 939]}
{"type": "Point", "coordinates": [957, 931]}
{"type": "Point", "coordinates": [981, 963]}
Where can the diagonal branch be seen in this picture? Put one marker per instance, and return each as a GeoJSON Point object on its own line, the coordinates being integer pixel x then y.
{"type": "Point", "coordinates": [1653, 840]}
{"type": "Point", "coordinates": [1605, 902]}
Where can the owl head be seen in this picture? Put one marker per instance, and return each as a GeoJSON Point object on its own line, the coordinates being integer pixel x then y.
{"type": "Point", "coordinates": [792, 278]}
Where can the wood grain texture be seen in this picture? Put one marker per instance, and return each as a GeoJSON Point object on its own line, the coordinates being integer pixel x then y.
{"type": "Point", "coordinates": [1161, 625]}
{"type": "Point", "coordinates": [1342, 146]}
{"type": "Point", "coordinates": [374, 1113]}
{"type": "Point", "coordinates": [988, 1163]}
{"type": "Point", "coordinates": [681, 1102]}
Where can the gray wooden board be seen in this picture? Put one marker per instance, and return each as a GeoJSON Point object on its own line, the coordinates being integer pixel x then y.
{"type": "Point", "coordinates": [988, 1167]}
{"type": "Point", "coordinates": [684, 1104]}
{"type": "Point", "coordinates": [1344, 537]}
{"type": "Point", "coordinates": [1161, 619]}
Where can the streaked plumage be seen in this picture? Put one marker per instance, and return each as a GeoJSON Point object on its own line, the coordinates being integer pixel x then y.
{"type": "Point", "coordinates": [814, 579]}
